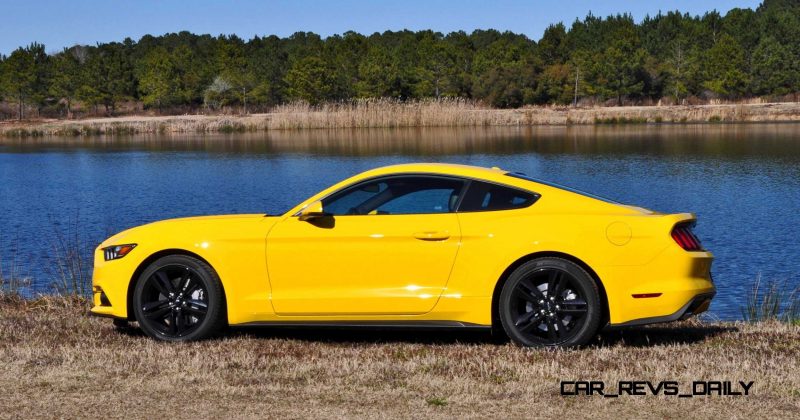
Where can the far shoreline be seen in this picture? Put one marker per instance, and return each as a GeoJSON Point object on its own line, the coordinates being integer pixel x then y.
{"type": "Point", "coordinates": [390, 114]}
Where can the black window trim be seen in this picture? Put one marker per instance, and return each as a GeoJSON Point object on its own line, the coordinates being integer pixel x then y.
{"type": "Point", "coordinates": [464, 182]}
{"type": "Point", "coordinates": [536, 197]}
{"type": "Point", "coordinates": [467, 181]}
{"type": "Point", "coordinates": [520, 175]}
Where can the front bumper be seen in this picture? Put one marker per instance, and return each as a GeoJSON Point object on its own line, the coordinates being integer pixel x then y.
{"type": "Point", "coordinates": [101, 305]}
{"type": "Point", "coordinates": [110, 281]}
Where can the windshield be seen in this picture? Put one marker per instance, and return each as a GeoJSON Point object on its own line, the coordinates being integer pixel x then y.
{"type": "Point", "coordinates": [561, 187]}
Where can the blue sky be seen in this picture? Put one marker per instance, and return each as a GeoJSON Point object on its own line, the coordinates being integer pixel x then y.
{"type": "Point", "coordinates": [58, 24]}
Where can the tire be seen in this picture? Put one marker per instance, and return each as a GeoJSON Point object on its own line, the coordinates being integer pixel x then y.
{"type": "Point", "coordinates": [532, 316]}
{"type": "Point", "coordinates": [179, 298]}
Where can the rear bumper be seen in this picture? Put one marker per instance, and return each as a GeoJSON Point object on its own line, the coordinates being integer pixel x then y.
{"type": "Point", "coordinates": [661, 290]}
{"type": "Point", "coordinates": [694, 306]}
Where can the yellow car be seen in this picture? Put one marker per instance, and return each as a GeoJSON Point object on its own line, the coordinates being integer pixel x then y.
{"type": "Point", "coordinates": [415, 245]}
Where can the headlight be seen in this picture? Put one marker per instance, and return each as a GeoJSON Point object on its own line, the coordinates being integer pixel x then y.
{"type": "Point", "coordinates": [116, 252]}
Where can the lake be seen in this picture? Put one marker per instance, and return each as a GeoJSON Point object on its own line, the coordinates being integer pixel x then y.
{"type": "Point", "coordinates": [742, 181]}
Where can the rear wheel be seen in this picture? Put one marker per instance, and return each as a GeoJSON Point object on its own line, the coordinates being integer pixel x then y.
{"type": "Point", "coordinates": [550, 302]}
{"type": "Point", "coordinates": [179, 298]}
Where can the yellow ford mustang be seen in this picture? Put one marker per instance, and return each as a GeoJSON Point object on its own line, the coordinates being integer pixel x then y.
{"type": "Point", "coordinates": [417, 245]}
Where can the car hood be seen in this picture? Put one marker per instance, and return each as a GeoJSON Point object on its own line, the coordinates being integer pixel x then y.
{"type": "Point", "coordinates": [215, 225]}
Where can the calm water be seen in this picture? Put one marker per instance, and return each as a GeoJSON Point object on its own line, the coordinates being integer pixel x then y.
{"type": "Point", "coordinates": [743, 182]}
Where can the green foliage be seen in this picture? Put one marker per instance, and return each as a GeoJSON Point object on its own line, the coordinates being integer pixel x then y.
{"type": "Point", "coordinates": [110, 75]}
{"type": "Point", "coordinates": [66, 76]}
{"type": "Point", "coordinates": [725, 70]}
{"type": "Point", "coordinates": [556, 84]}
{"type": "Point", "coordinates": [775, 69]}
{"type": "Point", "coordinates": [772, 300]}
{"type": "Point", "coordinates": [310, 80]}
{"type": "Point", "coordinates": [614, 59]}
{"type": "Point", "coordinates": [158, 78]}
{"type": "Point", "coordinates": [23, 76]}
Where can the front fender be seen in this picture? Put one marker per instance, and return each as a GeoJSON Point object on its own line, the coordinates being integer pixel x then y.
{"type": "Point", "coordinates": [234, 249]}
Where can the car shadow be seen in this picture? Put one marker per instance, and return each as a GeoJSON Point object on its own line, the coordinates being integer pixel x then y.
{"type": "Point", "coordinates": [645, 336]}
{"type": "Point", "coordinates": [689, 332]}
{"type": "Point", "coordinates": [367, 335]}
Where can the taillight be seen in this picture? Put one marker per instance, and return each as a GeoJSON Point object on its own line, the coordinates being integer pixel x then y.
{"type": "Point", "coordinates": [682, 234]}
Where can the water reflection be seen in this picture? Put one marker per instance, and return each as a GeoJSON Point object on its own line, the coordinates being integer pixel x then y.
{"type": "Point", "coordinates": [729, 141]}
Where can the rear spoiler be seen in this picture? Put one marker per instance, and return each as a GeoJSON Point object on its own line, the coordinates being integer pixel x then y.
{"type": "Point", "coordinates": [677, 218]}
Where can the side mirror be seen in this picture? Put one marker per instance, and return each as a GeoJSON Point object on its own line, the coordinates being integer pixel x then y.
{"type": "Point", "coordinates": [312, 211]}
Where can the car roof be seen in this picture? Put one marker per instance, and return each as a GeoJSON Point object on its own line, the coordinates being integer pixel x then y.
{"type": "Point", "coordinates": [493, 174]}
{"type": "Point", "coordinates": [437, 168]}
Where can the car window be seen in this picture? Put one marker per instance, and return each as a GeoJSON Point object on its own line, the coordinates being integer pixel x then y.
{"type": "Point", "coordinates": [484, 196]}
{"type": "Point", "coordinates": [396, 195]}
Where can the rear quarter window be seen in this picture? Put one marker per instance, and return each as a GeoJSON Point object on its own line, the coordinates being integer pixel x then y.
{"type": "Point", "coordinates": [485, 196]}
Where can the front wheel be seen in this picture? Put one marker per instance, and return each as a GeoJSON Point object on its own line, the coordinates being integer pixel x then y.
{"type": "Point", "coordinates": [550, 302]}
{"type": "Point", "coordinates": [179, 298]}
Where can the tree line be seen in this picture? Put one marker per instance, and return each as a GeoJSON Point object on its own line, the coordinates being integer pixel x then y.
{"type": "Point", "coordinates": [614, 60]}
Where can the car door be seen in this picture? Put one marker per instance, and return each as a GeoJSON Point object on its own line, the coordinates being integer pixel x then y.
{"type": "Point", "coordinates": [386, 246]}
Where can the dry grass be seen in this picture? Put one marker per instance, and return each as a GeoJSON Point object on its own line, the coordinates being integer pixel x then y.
{"type": "Point", "coordinates": [57, 362]}
{"type": "Point", "coordinates": [388, 113]}
{"type": "Point", "coordinates": [383, 113]}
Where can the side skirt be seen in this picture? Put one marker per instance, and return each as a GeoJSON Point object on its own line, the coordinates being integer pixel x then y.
{"type": "Point", "coordinates": [411, 325]}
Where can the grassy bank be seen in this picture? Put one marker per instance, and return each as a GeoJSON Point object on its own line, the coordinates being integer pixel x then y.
{"type": "Point", "coordinates": [389, 113]}
{"type": "Point", "coordinates": [57, 362]}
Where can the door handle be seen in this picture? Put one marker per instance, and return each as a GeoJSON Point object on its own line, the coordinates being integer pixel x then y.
{"type": "Point", "coordinates": [432, 235]}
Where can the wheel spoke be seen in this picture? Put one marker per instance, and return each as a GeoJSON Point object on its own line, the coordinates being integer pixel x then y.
{"type": "Point", "coordinates": [197, 303]}
{"type": "Point", "coordinates": [173, 319]}
{"type": "Point", "coordinates": [552, 333]}
{"type": "Point", "coordinates": [154, 305]}
{"type": "Point", "coordinates": [158, 313]}
{"type": "Point", "coordinates": [532, 322]}
{"type": "Point", "coordinates": [197, 307]}
{"type": "Point", "coordinates": [522, 293]}
{"type": "Point", "coordinates": [555, 283]}
{"type": "Point", "coordinates": [191, 286]}
{"type": "Point", "coordinates": [185, 280]}
{"type": "Point", "coordinates": [573, 307]}
{"type": "Point", "coordinates": [529, 291]}
{"type": "Point", "coordinates": [163, 283]}
{"type": "Point", "coordinates": [572, 311]}
{"type": "Point", "coordinates": [194, 311]}
{"type": "Point", "coordinates": [179, 324]}
{"type": "Point", "coordinates": [525, 318]}
{"type": "Point", "coordinates": [558, 321]}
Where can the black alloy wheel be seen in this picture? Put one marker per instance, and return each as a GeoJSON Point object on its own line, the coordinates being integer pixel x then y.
{"type": "Point", "coordinates": [179, 298]}
{"type": "Point", "coordinates": [550, 302]}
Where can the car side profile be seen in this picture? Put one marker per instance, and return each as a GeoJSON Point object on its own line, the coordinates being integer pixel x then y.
{"type": "Point", "coordinates": [413, 245]}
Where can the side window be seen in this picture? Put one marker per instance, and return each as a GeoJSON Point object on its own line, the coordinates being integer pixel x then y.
{"type": "Point", "coordinates": [347, 201]}
{"type": "Point", "coordinates": [483, 196]}
{"type": "Point", "coordinates": [396, 195]}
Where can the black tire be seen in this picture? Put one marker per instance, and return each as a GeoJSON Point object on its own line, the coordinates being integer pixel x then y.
{"type": "Point", "coordinates": [179, 298]}
{"type": "Point", "coordinates": [533, 316]}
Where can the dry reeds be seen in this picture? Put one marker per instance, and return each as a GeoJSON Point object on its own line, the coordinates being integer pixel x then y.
{"type": "Point", "coordinates": [389, 113]}
{"type": "Point", "coordinates": [392, 113]}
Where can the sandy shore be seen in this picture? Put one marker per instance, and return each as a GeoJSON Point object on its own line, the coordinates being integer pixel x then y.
{"type": "Point", "coordinates": [427, 114]}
